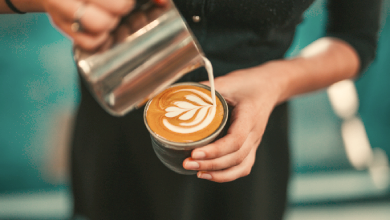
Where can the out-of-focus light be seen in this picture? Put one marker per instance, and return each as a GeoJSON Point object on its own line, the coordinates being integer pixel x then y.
{"type": "Point", "coordinates": [343, 98]}
{"type": "Point", "coordinates": [345, 102]}
{"type": "Point", "coordinates": [317, 47]}
{"type": "Point", "coordinates": [379, 169]}
{"type": "Point", "coordinates": [84, 66]}
{"type": "Point", "coordinates": [357, 145]}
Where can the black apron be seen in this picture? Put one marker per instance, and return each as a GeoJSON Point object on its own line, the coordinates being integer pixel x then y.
{"type": "Point", "coordinates": [116, 174]}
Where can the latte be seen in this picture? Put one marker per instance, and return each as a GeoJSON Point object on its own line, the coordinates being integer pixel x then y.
{"type": "Point", "coordinates": [184, 113]}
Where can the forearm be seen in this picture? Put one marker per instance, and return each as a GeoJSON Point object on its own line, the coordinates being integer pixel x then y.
{"type": "Point", "coordinates": [22, 5]}
{"type": "Point", "coordinates": [331, 61]}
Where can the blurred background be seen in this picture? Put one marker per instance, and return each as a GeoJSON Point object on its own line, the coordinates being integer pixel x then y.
{"type": "Point", "coordinates": [339, 136]}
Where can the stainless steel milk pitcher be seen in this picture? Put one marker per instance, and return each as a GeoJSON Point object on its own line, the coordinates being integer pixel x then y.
{"type": "Point", "coordinates": [150, 49]}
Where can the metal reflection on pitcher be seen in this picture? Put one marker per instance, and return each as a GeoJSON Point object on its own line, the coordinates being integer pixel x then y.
{"type": "Point", "coordinates": [150, 49]}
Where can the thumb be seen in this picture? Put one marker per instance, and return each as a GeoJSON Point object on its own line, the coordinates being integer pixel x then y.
{"type": "Point", "coordinates": [219, 83]}
{"type": "Point", "coordinates": [221, 88]}
{"type": "Point", "coordinates": [207, 83]}
{"type": "Point", "coordinates": [222, 84]}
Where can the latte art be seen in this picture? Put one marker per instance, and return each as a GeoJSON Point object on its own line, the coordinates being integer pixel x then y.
{"type": "Point", "coordinates": [184, 114]}
{"type": "Point", "coordinates": [187, 111]}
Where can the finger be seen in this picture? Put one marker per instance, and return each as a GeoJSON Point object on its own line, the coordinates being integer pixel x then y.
{"type": "Point", "coordinates": [94, 19]}
{"type": "Point", "coordinates": [83, 40]}
{"type": "Point", "coordinates": [207, 83]}
{"type": "Point", "coordinates": [232, 173]}
{"type": "Point", "coordinates": [223, 88]}
{"type": "Point", "coordinates": [121, 33]}
{"type": "Point", "coordinates": [87, 41]}
{"type": "Point", "coordinates": [115, 7]}
{"type": "Point", "coordinates": [137, 21]}
{"type": "Point", "coordinates": [236, 136]}
{"type": "Point", "coordinates": [226, 161]}
{"type": "Point", "coordinates": [107, 44]}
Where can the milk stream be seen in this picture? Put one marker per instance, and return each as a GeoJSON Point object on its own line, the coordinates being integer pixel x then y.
{"type": "Point", "coordinates": [209, 69]}
{"type": "Point", "coordinates": [185, 110]}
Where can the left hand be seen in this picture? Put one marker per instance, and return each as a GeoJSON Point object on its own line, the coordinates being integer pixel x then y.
{"type": "Point", "coordinates": [253, 94]}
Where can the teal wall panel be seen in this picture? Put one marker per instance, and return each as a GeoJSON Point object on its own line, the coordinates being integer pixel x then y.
{"type": "Point", "coordinates": [37, 78]}
{"type": "Point", "coordinates": [374, 90]}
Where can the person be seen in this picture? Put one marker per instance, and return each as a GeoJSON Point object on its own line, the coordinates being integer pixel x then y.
{"type": "Point", "coordinates": [115, 173]}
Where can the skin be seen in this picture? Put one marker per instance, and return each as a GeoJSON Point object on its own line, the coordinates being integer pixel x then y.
{"type": "Point", "coordinates": [99, 19]}
{"type": "Point", "coordinates": [253, 93]}
{"type": "Point", "coordinates": [22, 5]}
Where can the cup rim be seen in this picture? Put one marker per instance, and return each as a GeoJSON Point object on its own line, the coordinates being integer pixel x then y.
{"type": "Point", "coordinates": [194, 144]}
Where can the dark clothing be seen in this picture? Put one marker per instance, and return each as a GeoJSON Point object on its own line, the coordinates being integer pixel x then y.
{"type": "Point", "coordinates": [115, 173]}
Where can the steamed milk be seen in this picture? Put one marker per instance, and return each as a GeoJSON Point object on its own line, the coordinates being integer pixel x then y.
{"type": "Point", "coordinates": [186, 113]}
{"type": "Point", "coordinates": [210, 72]}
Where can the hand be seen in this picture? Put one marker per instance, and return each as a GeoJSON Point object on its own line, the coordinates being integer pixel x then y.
{"type": "Point", "coordinates": [98, 18]}
{"type": "Point", "coordinates": [253, 94]}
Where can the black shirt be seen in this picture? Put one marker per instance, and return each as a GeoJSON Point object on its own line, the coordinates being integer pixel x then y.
{"type": "Point", "coordinates": [115, 173]}
{"type": "Point", "coordinates": [241, 34]}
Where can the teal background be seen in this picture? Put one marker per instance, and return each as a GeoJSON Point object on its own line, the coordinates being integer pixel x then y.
{"type": "Point", "coordinates": [37, 79]}
{"type": "Point", "coordinates": [38, 82]}
{"type": "Point", "coordinates": [315, 129]}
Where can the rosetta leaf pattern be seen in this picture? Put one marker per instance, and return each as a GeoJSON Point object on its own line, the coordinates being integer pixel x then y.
{"type": "Point", "coordinates": [186, 107]}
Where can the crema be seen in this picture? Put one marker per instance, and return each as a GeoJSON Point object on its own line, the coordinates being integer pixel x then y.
{"type": "Point", "coordinates": [184, 113]}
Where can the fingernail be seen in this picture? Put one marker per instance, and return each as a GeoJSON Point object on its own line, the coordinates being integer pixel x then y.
{"type": "Point", "coordinates": [205, 176]}
{"type": "Point", "coordinates": [191, 165]}
{"type": "Point", "coordinates": [198, 155]}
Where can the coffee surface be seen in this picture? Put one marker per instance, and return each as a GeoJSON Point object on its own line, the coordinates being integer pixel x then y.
{"type": "Point", "coordinates": [184, 113]}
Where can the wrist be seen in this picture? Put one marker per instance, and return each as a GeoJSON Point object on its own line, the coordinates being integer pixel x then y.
{"type": "Point", "coordinates": [29, 5]}
{"type": "Point", "coordinates": [280, 76]}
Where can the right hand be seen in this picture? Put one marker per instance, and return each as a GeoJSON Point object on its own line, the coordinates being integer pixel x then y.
{"type": "Point", "coordinates": [100, 17]}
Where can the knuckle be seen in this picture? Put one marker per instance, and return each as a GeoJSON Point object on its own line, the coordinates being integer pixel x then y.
{"type": "Point", "coordinates": [86, 44]}
{"type": "Point", "coordinates": [225, 179]}
{"type": "Point", "coordinates": [212, 151]}
{"type": "Point", "coordinates": [240, 137]}
{"type": "Point", "coordinates": [237, 143]}
{"type": "Point", "coordinates": [239, 159]}
{"type": "Point", "coordinates": [114, 23]}
{"type": "Point", "coordinates": [261, 131]}
{"type": "Point", "coordinates": [221, 180]}
{"type": "Point", "coordinates": [213, 166]}
{"type": "Point", "coordinates": [55, 21]}
{"type": "Point", "coordinates": [77, 40]}
{"type": "Point", "coordinates": [216, 152]}
{"type": "Point", "coordinates": [257, 140]}
{"type": "Point", "coordinates": [99, 27]}
{"type": "Point", "coordinates": [100, 24]}
{"type": "Point", "coordinates": [247, 171]}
